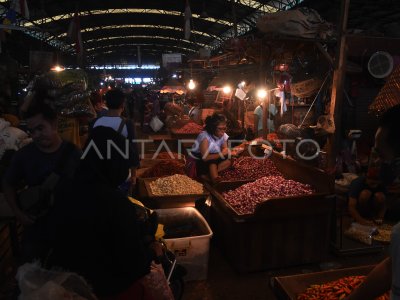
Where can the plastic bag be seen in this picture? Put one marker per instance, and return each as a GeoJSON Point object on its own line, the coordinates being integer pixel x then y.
{"type": "Point", "coordinates": [361, 233]}
{"type": "Point", "coordinates": [156, 124]}
{"type": "Point", "coordinates": [36, 283]}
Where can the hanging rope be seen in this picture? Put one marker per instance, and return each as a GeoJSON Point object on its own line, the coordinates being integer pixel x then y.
{"type": "Point", "coordinates": [316, 96]}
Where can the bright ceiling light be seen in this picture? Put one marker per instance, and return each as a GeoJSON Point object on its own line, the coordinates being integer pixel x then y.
{"type": "Point", "coordinates": [191, 85]}
{"type": "Point", "coordinates": [227, 89]}
{"type": "Point", "coordinates": [57, 68]}
{"type": "Point", "coordinates": [261, 93]}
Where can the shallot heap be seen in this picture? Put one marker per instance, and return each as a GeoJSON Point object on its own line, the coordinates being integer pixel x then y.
{"type": "Point", "coordinates": [245, 198]}
{"type": "Point", "coordinates": [246, 167]}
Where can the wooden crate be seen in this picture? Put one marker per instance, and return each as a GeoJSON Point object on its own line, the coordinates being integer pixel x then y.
{"type": "Point", "coordinates": [288, 287]}
{"type": "Point", "coordinates": [283, 231]}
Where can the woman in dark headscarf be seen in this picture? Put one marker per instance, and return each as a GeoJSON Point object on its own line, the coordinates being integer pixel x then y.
{"type": "Point", "coordinates": [99, 233]}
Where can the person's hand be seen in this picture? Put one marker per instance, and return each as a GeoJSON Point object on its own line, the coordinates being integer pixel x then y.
{"type": "Point", "coordinates": [238, 150]}
{"type": "Point", "coordinates": [157, 250]}
{"type": "Point", "coordinates": [225, 151]}
{"type": "Point", "coordinates": [24, 219]}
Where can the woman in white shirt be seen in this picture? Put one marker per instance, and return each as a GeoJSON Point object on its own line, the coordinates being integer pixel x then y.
{"type": "Point", "coordinates": [211, 148]}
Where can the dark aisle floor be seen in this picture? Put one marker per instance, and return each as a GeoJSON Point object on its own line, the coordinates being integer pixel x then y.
{"type": "Point", "coordinates": [224, 283]}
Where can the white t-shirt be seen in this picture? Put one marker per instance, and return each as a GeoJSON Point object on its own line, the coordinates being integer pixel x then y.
{"type": "Point", "coordinates": [259, 112]}
{"type": "Point", "coordinates": [214, 143]}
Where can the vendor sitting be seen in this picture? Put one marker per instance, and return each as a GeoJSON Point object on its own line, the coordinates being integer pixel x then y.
{"type": "Point", "coordinates": [367, 194]}
{"type": "Point", "coordinates": [211, 148]}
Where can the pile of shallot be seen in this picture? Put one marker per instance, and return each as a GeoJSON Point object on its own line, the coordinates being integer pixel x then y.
{"type": "Point", "coordinates": [248, 168]}
{"type": "Point", "coordinates": [245, 198]}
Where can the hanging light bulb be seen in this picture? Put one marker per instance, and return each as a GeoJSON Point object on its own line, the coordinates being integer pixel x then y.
{"type": "Point", "coordinates": [261, 93]}
{"type": "Point", "coordinates": [227, 89]}
{"type": "Point", "coordinates": [191, 84]}
{"type": "Point", "coordinates": [57, 68]}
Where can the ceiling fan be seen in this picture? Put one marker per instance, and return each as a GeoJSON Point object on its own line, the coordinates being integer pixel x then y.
{"type": "Point", "coordinates": [380, 64]}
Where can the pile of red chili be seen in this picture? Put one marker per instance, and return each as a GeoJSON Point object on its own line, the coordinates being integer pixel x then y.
{"type": "Point", "coordinates": [338, 289]}
{"type": "Point", "coordinates": [165, 168]}
{"type": "Point", "coordinates": [190, 127]}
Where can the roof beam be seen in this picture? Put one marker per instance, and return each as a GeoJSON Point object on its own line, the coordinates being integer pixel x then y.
{"type": "Point", "coordinates": [284, 4]}
{"type": "Point", "coordinates": [129, 11]}
{"type": "Point", "coordinates": [91, 29]}
{"type": "Point", "coordinates": [96, 49]}
{"type": "Point", "coordinates": [32, 29]}
{"type": "Point", "coordinates": [144, 37]}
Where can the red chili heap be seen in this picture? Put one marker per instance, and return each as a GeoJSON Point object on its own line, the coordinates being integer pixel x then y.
{"type": "Point", "coordinates": [165, 168]}
{"type": "Point", "coordinates": [246, 167]}
{"type": "Point", "coordinates": [190, 127]}
{"type": "Point", "coordinates": [338, 289]}
{"type": "Point", "coordinates": [245, 198]}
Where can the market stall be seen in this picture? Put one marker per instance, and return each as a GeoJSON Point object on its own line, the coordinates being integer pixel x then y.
{"type": "Point", "coordinates": [289, 227]}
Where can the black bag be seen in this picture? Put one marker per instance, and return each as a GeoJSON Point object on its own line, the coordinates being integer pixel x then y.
{"type": "Point", "coordinates": [36, 201]}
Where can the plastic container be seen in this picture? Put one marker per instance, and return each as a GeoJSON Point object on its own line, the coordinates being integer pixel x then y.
{"type": "Point", "coordinates": [192, 243]}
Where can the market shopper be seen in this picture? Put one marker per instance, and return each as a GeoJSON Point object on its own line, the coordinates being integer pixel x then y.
{"type": "Point", "coordinates": [211, 148]}
{"type": "Point", "coordinates": [386, 275]}
{"type": "Point", "coordinates": [234, 129]}
{"type": "Point", "coordinates": [100, 234]}
{"type": "Point", "coordinates": [99, 104]}
{"type": "Point", "coordinates": [34, 165]}
{"type": "Point", "coordinates": [258, 119]}
{"type": "Point", "coordinates": [115, 100]}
